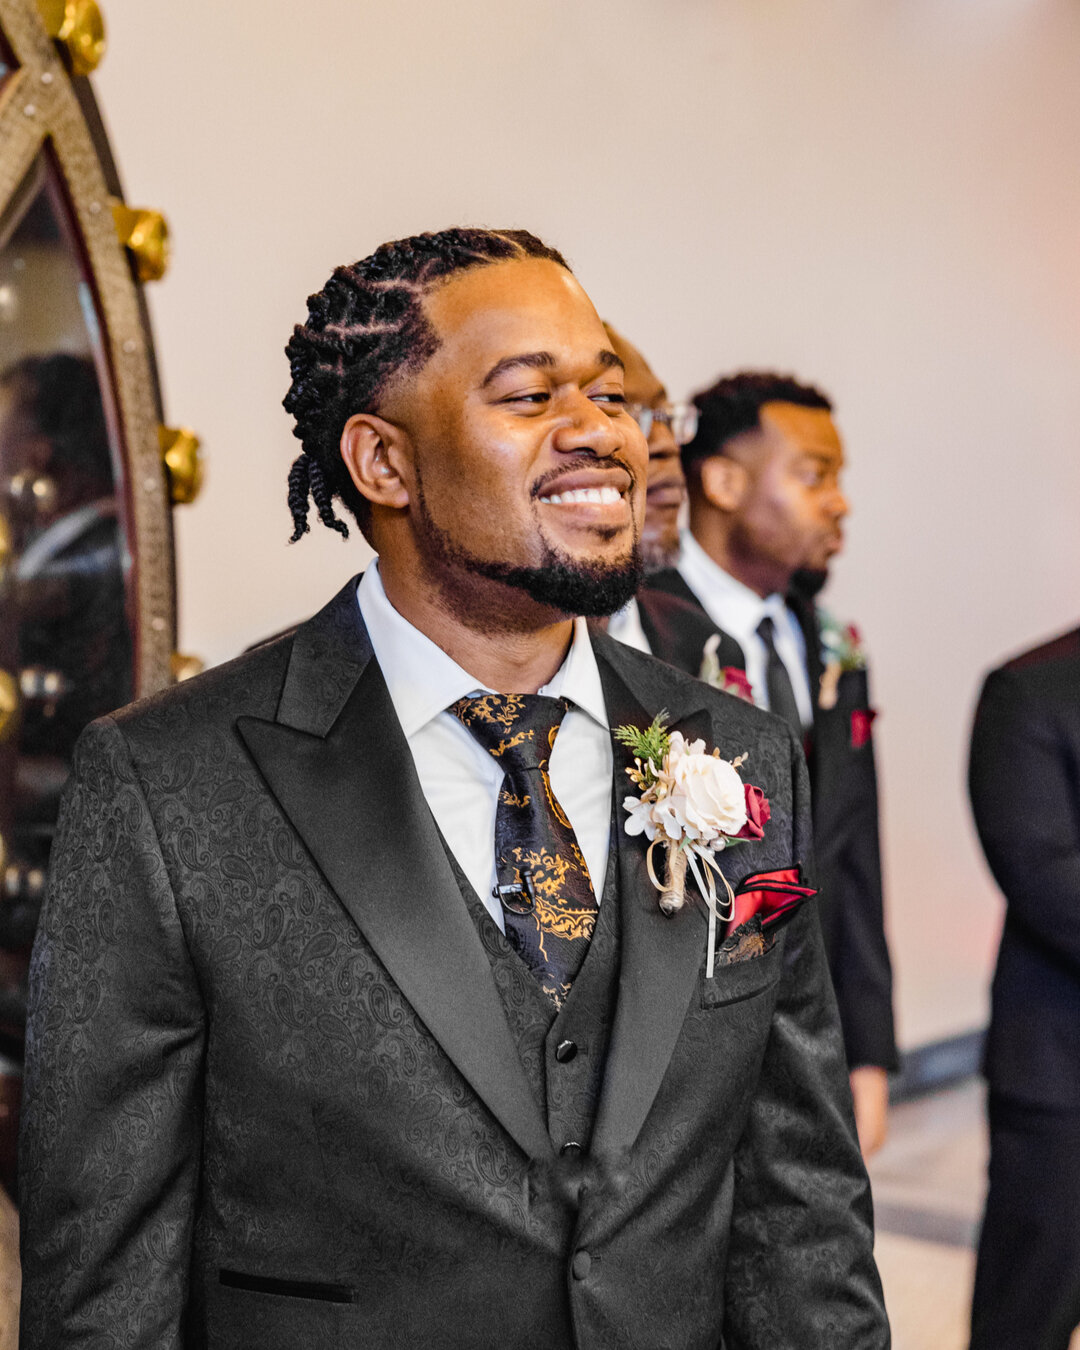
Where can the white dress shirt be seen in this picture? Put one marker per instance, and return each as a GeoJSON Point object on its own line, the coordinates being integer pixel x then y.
{"type": "Point", "coordinates": [625, 626]}
{"type": "Point", "coordinates": [459, 778]}
{"type": "Point", "coordinates": [738, 611]}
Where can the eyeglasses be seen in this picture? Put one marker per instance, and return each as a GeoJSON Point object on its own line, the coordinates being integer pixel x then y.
{"type": "Point", "coordinates": [680, 418]}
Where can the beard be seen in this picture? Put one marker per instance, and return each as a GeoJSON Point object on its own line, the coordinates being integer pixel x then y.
{"type": "Point", "coordinates": [809, 581]}
{"type": "Point", "coordinates": [560, 582]}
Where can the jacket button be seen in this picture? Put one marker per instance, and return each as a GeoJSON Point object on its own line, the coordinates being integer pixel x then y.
{"type": "Point", "coordinates": [565, 1051]}
{"type": "Point", "coordinates": [580, 1265]}
{"type": "Point", "coordinates": [571, 1150]}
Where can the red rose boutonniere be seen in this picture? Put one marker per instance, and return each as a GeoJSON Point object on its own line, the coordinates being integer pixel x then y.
{"type": "Point", "coordinates": [696, 805]}
{"type": "Point", "coordinates": [730, 679]}
{"type": "Point", "coordinates": [841, 649]}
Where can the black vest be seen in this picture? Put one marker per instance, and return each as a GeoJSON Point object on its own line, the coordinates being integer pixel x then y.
{"type": "Point", "coordinates": [563, 1053]}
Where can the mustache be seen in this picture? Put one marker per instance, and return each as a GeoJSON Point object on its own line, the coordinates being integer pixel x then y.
{"type": "Point", "coordinates": [608, 465]}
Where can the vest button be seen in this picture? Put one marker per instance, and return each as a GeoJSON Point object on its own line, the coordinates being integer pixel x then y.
{"type": "Point", "coordinates": [565, 1051]}
{"type": "Point", "coordinates": [580, 1265]}
{"type": "Point", "coordinates": [571, 1150]}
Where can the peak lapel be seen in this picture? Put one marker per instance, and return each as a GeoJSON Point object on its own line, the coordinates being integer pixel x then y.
{"type": "Point", "coordinates": [661, 955]}
{"type": "Point", "coordinates": [353, 796]}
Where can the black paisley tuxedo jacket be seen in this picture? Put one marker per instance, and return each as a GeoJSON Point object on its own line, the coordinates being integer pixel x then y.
{"type": "Point", "coordinates": [272, 1098]}
{"type": "Point", "coordinates": [844, 792]}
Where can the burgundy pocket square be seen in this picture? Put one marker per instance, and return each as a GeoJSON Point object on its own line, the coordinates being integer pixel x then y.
{"type": "Point", "coordinates": [769, 896]}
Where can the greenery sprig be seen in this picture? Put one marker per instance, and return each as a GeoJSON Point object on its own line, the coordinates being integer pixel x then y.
{"type": "Point", "coordinates": [649, 746]}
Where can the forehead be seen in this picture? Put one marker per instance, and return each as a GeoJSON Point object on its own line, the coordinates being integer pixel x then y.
{"type": "Point", "coordinates": [507, 308]}
{"type": "Point", "coordinates": [812, 430]}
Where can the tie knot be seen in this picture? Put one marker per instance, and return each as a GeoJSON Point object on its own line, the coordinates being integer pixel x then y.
{"type": "Point", "coordinates": [766, 629]}
{"type": "Point", "coordinates": [519, 730]}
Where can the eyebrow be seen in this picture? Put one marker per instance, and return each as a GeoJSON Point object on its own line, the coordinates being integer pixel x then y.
{"type": "Point", "coordinates": [543, 361]}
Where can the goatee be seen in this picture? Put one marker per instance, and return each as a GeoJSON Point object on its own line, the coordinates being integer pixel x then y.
{"type": "Point", "coordinates": [560, 582]}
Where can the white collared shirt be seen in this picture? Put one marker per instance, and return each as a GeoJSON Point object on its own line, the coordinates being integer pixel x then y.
{"type": "Point", "coordinates": [625, 626]}
{"type": "Point", "coordinates": [738, 611]}
{"type": "Point", "coordinates": [459, 778]}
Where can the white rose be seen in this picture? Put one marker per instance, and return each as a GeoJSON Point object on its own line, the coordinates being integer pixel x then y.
{"type": "Point", "coordinates": [706, 798]}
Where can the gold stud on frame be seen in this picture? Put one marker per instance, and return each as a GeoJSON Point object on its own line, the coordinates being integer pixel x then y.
{"type": "Point", "coordinates": [183, 463]}
{"type": "Point", "coordinates": [79, 28]}
{"type": "Point", "coordinates": [145, 234]}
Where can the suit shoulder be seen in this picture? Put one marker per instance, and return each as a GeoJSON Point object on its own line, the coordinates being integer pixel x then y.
{"type": "Point", "coordinates": [1061, 650]}
{"type": "Point", "coordinates": [249, 684]}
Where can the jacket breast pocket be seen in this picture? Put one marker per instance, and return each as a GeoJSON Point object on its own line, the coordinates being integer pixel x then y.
{"type": "Point", "coordinates": [744, 980]}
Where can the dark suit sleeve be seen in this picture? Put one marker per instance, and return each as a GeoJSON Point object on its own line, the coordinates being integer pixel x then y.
{"type": "Point", "coordinates": [1024, 796]}
{"type": "Point", "coordinates": [801, 1270]}
{"type": "Point", "coordinates": [112, 1101]}
{"type": "Point", "coordinates": [861, 967]}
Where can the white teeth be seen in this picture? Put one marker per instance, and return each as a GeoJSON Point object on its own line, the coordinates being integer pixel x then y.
{"type": "Point", "coordinates": [604, 496]}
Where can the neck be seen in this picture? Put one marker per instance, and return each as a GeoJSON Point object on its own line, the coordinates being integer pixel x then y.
{"type": "Point", "coordinates": [497, 634]}
{"type": "Point", "coordinates": [759, 575]}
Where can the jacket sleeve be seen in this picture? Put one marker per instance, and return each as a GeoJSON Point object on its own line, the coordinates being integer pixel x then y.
{"type": "Point", "coordinates": [861, 967]}
{"type": "Point", "coordinates": [801, 1272]}
{"type": "Point", "coordinates": [1027, 811]}
{"type": "Point", "coordinates": [111, 1116]}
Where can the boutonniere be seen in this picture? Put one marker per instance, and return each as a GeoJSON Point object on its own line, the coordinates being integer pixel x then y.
{"type": "Point", "coordinates": [730, 679]}
{"type": "Point", "coordinates": [841, 650]}
{"type": "Point", "coordinates": [694, 804]}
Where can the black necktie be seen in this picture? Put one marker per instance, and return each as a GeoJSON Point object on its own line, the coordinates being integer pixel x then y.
{"type": "Point", "coordinates": [543, 879]}
{"type": "Point", "coordinates": [778, 681]}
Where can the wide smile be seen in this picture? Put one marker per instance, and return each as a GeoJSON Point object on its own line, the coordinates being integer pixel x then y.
{"type": "Point", "coordinates": [590, 499]}
{"type": "Point", "coordinates": [604, 496]}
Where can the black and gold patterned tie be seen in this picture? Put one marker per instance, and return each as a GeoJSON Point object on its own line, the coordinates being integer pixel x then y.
{"type": "Point", "coordinates": [543, 880]}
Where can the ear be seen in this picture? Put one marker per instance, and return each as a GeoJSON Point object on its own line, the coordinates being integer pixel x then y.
{"type": "Point", "coordinates": [724, 483]}
{"type": "Point", "coordinates": [377, 455]}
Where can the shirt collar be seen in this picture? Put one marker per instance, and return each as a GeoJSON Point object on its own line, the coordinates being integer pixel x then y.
{"type": "Point", "coordinates": [423, 680]}
{"type": "Point", "coordinates": [728, 601]}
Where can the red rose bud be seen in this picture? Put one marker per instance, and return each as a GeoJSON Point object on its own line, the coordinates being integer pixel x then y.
{"type": "Point", "coordinates": [758, 812]}
{"type": "Point", "coordinates": [735, 682]}
{"type": "Point", "coordinates": [862, 721]}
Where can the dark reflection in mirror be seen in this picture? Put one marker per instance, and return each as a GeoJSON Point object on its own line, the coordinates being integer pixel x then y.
{"type": "Point", "coordinates": [7, 61]}
{"type": "Point", "coordinates": [65, 645]}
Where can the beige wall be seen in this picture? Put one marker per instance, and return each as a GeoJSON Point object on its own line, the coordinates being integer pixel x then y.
{"type": "Point", "coordinates": [882, 195]}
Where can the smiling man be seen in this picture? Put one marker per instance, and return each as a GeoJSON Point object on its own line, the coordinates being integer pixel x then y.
{"type": "Point", "coordinates": [355, 1017]}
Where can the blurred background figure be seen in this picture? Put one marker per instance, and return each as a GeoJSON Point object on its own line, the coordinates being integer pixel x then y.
{"type": "Point", "coordinates": [655, 621]}
{"type": "Point", "coordinates": [766, 512]}
{"type": "Point", "coordinates": [1025, 794]}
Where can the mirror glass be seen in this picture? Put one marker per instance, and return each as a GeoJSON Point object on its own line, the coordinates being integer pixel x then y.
{"type": "Point", "coordinates": [65, 637]}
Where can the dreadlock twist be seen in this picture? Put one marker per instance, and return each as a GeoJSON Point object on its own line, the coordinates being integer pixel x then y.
{"type": "Point", "coordinates": [364, 327]}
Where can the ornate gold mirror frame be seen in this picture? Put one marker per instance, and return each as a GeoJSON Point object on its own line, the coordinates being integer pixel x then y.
{"type": "Point", "coordinates": [61, 199]}
{"type": "Point", "coordinates": [46, 101]}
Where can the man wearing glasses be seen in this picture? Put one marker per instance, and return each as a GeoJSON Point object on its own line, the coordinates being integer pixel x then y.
{"type": "Point", "coordinates": [654, 621]}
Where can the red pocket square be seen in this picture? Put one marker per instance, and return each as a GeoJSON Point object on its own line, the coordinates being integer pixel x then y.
{"type": "Point", "coordinates": [862, 722]}
{"type": "Point", "coordinates": [769, 895]}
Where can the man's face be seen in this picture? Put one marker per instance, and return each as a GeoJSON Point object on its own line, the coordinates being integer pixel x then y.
{"type": "Point", "coordinates": [666, 484]}
{"type": "Point", "coordinates": [525, 460]}
{"type": "Point", "coordinates": [792, 512]}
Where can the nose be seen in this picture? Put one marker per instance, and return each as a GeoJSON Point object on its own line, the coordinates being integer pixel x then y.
{"type": "Point", "coordinates": [838, 505]}
{"type": "Point", "coordinates": [588, 427]}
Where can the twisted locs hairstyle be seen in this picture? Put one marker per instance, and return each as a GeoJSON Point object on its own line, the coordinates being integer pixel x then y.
{"type": "Point", "coordinates": [733, 405]}
{"type": "Point", "coordinates": [366, 326]}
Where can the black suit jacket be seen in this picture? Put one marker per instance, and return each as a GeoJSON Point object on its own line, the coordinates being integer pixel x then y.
{"type": "Point", "coordinates": [1025, 792]}
{"type": "Point", "coordinates": [843, 778]}
{"type": "Point", "coordinates": [273, 1100]}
